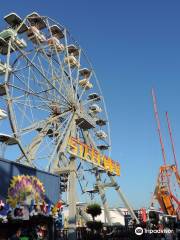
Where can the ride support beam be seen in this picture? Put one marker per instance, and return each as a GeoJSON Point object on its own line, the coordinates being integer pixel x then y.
{"type": "Point", "coordinates": [72, 200]}
{"type": "Point", "coordinates": [98, 182]}
{"type": "Point", "coordinates": [123, 198]}
{"type": "Point", "coordinates": [72, 190]}
{"type": "Point", "coordinates": [103, 198]}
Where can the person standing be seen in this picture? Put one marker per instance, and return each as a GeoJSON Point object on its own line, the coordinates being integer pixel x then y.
{"type": "Point", "coordinates": [17, 235]}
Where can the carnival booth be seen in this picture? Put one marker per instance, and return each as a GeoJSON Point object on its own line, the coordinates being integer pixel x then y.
{"type": "Point", "coordinates": [29, 200]}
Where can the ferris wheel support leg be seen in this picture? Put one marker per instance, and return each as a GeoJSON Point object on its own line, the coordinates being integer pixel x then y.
{"type": "Point", "coordinates": [72, 192]}
{"type": "Point", "coordinates": [99, 184]}
{"type": "Point", "coordinates": [103, 199]}
{"type": "Point", "coordinates": [123, 198]}
{"type": "Point", "coordinates": [72, 200]}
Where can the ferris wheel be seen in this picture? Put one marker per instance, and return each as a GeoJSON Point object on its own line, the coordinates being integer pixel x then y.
{"type": "Point", "coordinates": [53, 109]}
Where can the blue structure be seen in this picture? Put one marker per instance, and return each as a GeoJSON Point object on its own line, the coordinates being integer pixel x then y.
{"type": "Point", "coordinates": [8, 169]}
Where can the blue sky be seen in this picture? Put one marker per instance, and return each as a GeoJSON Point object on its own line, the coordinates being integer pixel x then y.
{"type": "Point", "coordinates": [133, 46]}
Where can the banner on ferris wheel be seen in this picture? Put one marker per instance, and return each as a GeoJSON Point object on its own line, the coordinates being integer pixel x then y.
{"type": "Point", "coordinates": [92, 155]}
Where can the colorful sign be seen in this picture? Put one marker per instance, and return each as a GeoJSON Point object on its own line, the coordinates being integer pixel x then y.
{"type": "Point", "coordinates": [92, 155]}
{"type": "Point", "coordinates": [23, 188]}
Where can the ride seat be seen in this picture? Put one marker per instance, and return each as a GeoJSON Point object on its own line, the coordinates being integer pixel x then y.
{"type": "Point", "coordinates": [72, 61]}
{"type": "Point", "coordinates": [54, 42]}
{"type": "Point", "coordinates": [35, 35]}
{"type": "Point", "coordinates": [84, 83]}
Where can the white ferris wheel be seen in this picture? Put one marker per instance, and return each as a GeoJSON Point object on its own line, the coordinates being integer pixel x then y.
{"type": "Point", "coordinates": [52, 109]}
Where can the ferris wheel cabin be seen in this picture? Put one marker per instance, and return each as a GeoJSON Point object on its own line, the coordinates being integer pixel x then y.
{"type": "Point", "coordinates": [84, 79]}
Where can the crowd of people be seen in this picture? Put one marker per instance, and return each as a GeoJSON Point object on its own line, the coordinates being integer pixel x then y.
{"type": "Point", "coordinates": [38, 233]}
{"type": "Point", "coordinates": [25, 213]}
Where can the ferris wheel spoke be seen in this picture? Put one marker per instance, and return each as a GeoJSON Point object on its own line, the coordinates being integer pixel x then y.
{"type": "Point", "coordinates": [50, 70]}
{"type": "Point", "coordinates": [67, 53]}
{"type": "Point", "coordinates": [33, 147]}
{"type": "Point", "coordinates": [23, 114]}
{"type": "Point", "coordinates": [38, 102]}
{"type": "Point", "coordinates": [42, 107]}
{"type": "Point", "coordinates": [54, 70]}
{"type": "Point", "coordinates": [30, 90]}
{"type": "Point", "coordinates": [32, 127]}
{"type": "Point", "coordinates": [23, 65]}
{"type": "Point", "coordinates": [68, 65]}
{"type": "Point", "coordinates": [61, 143]}
{"type": "Point", "coordinates": [32, 93]}
{"type": "Point", "coordinates": [45, 149]}
{"type": "Point", "coordinates": [39, 124]}
{"type": "Point", "coordinates": [43, 86]}
{"type": "Point", "coordinates": [77, 79]}
{"type": "Point", "coordinates": [45, 72]}
{"type": "Point", "coordinates": [15, 69]}
{"type": "Point", "coordinates": [34, 66]}
{"type": "Point", "coordinates": [27, 88]}
{"type": "Point", "coordinates": [61, 85]}
{"type": "Point", "coordinates": [28, 107]}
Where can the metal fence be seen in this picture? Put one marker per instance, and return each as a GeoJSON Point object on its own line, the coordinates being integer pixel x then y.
{"type": "Point", "coordinates": [120, 233]}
